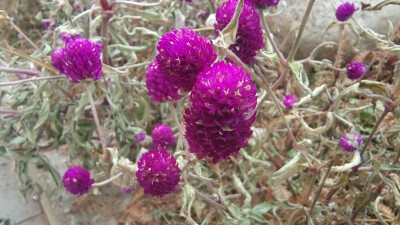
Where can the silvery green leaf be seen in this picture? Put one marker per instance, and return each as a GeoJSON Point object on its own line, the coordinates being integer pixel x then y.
{"type": "Point", "coordinates": [257, 211]}
{"type": "Point", "coordinates": [148, 14]}
{"type": "Point", "coordinates": [188, 198]}
{"type": "Point", "coordinates": [179, 19]}
{"type": "Point", "coordinates": [254, 160]}
{"type": "Point", "coordinates": [375, 208]}
{"type": "Point", "coordinates": [375, 86]}
{"type": "Point", "coordinates": [297, 69]}
{"type": "Point", "coordinates": [233, 209]}
{"type": "Point", "coordinates": [240, 188]}
{"type": "Point", "coordinates": [141, 152]}
{"type": "Point", "coordinates": [43, 116]}
{"type": "Point", "coordinates": [321, 129]}
{"type": "Point", "coordinates": [289, 169]}
{"type": "Point", "coordinates": [354, 162]}
{"type": "Point", "coordinates": [395, 49]}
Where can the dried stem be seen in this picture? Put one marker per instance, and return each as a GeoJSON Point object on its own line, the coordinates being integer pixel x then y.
{"type": "Point", "coordinates": [10, 20]}
{"type": "Point", "coordinates": [209, 200]}
{"type": "Point", "coordinates": [30, 80]}
{"type": "Point", "coordinates": [106, 154]}
{"type": "Point", "coordinates": [19, 70]}
{"type": "Point", "coordinates": [282, 59]}
{"type": "Point", "coordinates": [296, 43]}
{"type": "Point", "coordinates": [108, 180]}
{"type": "Point", "coordinates": [385, 112]}
{"type": "Point", "coordinates": [321, 186]}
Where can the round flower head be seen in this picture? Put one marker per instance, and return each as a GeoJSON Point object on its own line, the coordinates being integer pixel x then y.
{"type": "Point", "coordinates": [77, 180]}
{"type": "Point", "coordinates": [289, 101]}
{"type": "Point", "coordinates": [249, 39]}
{"type": "Point", "coordinates": [345, 11]}
{"type": "Point", "coordinates": [46, 24]}
{"type": "Point", "coordinates": [350, 142]}
{"type": "Point", "coordinates": [221, 111]}
{"type": "Point", "coordinates": [81, 60]}
{"type": "Point", "coordinates": [355, 70]}
{"type": "Point", "coordinates": [159, 85]}
{"type": "Point", "coordinates": [264, 3]}
{"type": "Point", "coordinates": [163, 137]}
{"type": "Point", "coordinates": [182, 55]}
{"type": "Point", "coordinates": [158, 173]}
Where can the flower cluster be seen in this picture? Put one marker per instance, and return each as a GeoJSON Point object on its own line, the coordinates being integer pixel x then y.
{"type": "Point", "coordinates": [350, 142]}
{"type": "Point", "coordinates": [77, 180]}
{"type": "Point", "coordinates": [158, 173]}
{"type": "Point", "coordinates": [355, 70]}
{"type": "Point", "coordinates": [160, 87]}
{"type": "Point", "coordinates": [163, 137]}
{"type": "Point", "coordinates": [183, 54]}
{"type": "Point", "coordinates": [221, 112]}
{"type": "Point", "coordinates": [344, 11]}
{"type": "Point", "coordinates": [79, 59]}
{"type": "Point", "coordinates": [264, 3]}
{"type": "Point", "coordinates": [249, 39]}
{"type": "Point", "coordinates": [289, 101]}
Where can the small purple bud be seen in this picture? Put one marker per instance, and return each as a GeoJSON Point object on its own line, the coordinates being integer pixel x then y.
{"type": "Point", "coordinates": [264, 3]}
{"type": "Point", "coordinates": [76, 5]}
{"type": "Point", "coordinates": [350, 142]}
{"type": "Point", "coordinates": [163, 137]}
{"type": "Point", "coordinates": [202, 13]}
{"type": "Point", "coordinates": [140, 137]}
{"type": "Point", "coordinates": [355, 70]}
{"type": "Point", "coordinates": [345, 11]}
{"type": "Point", "coordinates": [77, 180]}
{"type": "Point", "coordinates": [46, 24]}
{"type": "Point", "coordinates": [289, 101]}
{"type": "Point", "coordinates": [21, 37]}
{"type": "Point", "coordinates": [126, 190]}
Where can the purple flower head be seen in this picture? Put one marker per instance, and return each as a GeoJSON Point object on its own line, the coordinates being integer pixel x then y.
{"type": "Point", "coordinates": [350, 142]}
{"type": "Point", "coordinates": [221, 112]}
{"type": "Point", "coordinates": [77, 180]}
{"type": "Point", "coordinates": [160, 86]}
{"type": "Point", "coordinates": [126, 190]}
{"type": "Point", "coordinates": [158, 173]}
{"type": "Point", "coordinates": [140, 137]}
{"type": "Point", "coordinates": [81, 60]}
{"type": "Point", "coordinates": [249, 39]}
{"type": "Point", "coordinates": [355, 70]}
{"type": "Point", "coordinates": [264, 3]}
{"type": "Point", "coordinates": [289, 101]}
{"type": "Point", "coordinates": [163, 137]}
{"type": "Point", "coordinates": [46, 24]}
{"type": "Point", "coordinates": [182, 55]}
{"type": "Point", "coordinates": [345, 11]}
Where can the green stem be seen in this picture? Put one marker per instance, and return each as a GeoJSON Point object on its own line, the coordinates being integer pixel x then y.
{"type": "Point", "coordinates": [30, 80]}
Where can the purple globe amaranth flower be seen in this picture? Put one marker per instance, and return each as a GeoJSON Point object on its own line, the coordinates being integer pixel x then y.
{"type": "Point", "coordinates": [220, 112]}
{"type": "Point", "coordinates": [46, 24]}
{"type": "Point", "coordinates": [249, 39]}
{"type": "Point", "coordinates": [182, 55]}
{"type": "Point", "coordinates": [140, 137]}
{"type": "Point", "coordinates": [355, 70]}
{"type": "Point", "coordinates": [77, 180]}
{"type": "Point", "coordinates": [81, 60]}
{"type": "Point", "coordinates": [289, 101]}
{"type": "Point", "coordinates": [264, 3]}
{"type": "Point", "coordinates": [68, 37]}
{"type": "Point", "coordinates": [344, 11]}
{"type": "Point", "coordinates": [163, 137]}
{"type": "Point", "coordinates": [350, 142]}
{"type": "Point", "coordinates": [158, 173]}
{"type": "Point", "coordinates": [160, 86]}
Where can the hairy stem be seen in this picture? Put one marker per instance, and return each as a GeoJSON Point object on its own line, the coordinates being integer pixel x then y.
{"type": "Point", "coordinates": [321, 186]}
{"type": "Point", "coordinates": [282, 59]}
{"type": "Point", "coordinates": [296, 43]}
{"type": "Point", "coordinates": [19, 70]}
{"type": "Point", "coordinates": [106, 154]}
{"type": "Point", "coordinates": [30, 80]}
{"type": "Point", "coordinates": [385, 112]}
{"type": "Point", "coordinates": [108, 180]}
{"type": "Point", "coordinates": [178, 124]}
